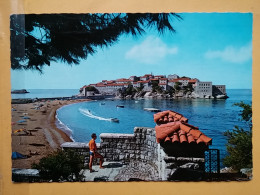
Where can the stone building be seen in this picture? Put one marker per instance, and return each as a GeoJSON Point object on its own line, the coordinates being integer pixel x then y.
{"type": "Point", "coordinates": [172, 76]}
{"type": "Point", "coordinates": [203, 89]}
{"type": "Point", "coordinates": [219, 90]}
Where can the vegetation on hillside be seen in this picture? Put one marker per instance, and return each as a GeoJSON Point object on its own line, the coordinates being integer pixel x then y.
{"type": "Point", "coordinates": [239, 145]}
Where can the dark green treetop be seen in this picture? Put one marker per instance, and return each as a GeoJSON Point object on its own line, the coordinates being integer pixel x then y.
{"type": "Point", "coordinates": [37, 40]}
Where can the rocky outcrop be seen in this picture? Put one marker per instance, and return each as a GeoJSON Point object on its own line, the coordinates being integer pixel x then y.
{"type": "Point", "coordinates": [21, 91]}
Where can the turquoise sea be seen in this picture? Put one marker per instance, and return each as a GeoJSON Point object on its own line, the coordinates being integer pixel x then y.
{"type": "Point", "coordinates": [213, 117]}
{"type": "Point", "coordinates": [46, 93]}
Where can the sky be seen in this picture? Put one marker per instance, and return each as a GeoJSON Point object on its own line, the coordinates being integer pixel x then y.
{"type": "Point", "coordinates": [213, 47]}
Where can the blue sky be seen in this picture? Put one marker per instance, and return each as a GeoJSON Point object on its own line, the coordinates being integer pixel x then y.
{"type": "Point", "coordinates": [213, 47]}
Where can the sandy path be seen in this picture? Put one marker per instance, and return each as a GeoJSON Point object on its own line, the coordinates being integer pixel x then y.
{"type": "Point", "coordinates": [44, 138]}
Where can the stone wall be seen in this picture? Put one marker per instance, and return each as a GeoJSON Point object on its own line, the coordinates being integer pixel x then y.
{"type": "Point", "coordinates": [141, 148]}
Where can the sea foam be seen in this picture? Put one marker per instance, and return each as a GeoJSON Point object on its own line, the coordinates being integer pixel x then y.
{"type": "Point", "coordinates": [64, 128]}
{"type": "Point", "coordinates": [88, 113]}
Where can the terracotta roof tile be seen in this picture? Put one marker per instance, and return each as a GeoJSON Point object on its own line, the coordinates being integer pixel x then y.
{"type": "Point", "coordinates": [101, 85]}
{"type": "Point", "coordinates": [174, 127]}
{"type": "Point", "coordinates": [193, 81]}
{"type": "Point", "coordinates": [175, 137]}
{"type": "Point", "coordinates": [143, 81]}
{"type": "Point", "coordinates": [114, 84]}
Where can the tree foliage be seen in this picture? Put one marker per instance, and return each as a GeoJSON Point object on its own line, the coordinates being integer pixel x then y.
{"type": "Point", "coordinates": [188, 88]}
{"type": "Point", "coordinates": [61, 166]}
{"type": "Point", "coordinates": [38, 40]}
{"type": "Point", "coordinates": [177, 86]}
{"type": "Point", "coordinates": [91, 88]}
{"type": "Point", "coordinates": [239, 145]}
{"type": "Point", "coordinates": [156, 87]}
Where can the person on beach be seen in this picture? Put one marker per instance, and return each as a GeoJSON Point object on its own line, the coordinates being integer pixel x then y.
{"type": "Point", "coordinates": [93, 153]}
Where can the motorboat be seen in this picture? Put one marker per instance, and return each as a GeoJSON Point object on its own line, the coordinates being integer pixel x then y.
{"type": "Point", "coordinates": [115, 120]}
{"type": "Point", "coordinates": [120, 106]}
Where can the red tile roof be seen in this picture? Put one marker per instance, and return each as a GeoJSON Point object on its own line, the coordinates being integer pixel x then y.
{"type": "Point", "coordinates": [123, 80]}
{"type": "Point", "coordinates": [185, 78]}
{"type": "Point", "coordinates": [163, 79]}
{"type": "Point", "coordinates": [193, 80]}
{"type": "Point", "coordinates": [174, 127]}
{"type": "Point", "coordinates": [110, 82]}
{"type": "Point", "coordinates": [143, 81]}
{"type": "Point", "coordinates": [100, 85]}
{"type": "Point", "coordinates": [162, 84]}
{"type": "Point", "coordinates": [114, 84]}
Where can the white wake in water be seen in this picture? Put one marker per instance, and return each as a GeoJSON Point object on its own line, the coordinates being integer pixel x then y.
{"type": "Point", "coordinates": [88, 113]}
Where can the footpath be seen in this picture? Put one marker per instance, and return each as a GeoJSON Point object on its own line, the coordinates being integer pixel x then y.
{"type": "Point", "coordinates": [117, 171]}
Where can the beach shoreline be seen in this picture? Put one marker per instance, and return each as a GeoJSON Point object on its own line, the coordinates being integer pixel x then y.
{"type": "Point", "coordinates": [38, 135]}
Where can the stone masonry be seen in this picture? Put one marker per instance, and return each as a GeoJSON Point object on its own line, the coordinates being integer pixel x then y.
{"type": "Point", "coordinates": [139, 148]}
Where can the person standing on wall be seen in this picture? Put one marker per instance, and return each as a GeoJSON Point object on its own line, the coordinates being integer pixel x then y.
{"type": "Point", "coordinates": [93, 153]}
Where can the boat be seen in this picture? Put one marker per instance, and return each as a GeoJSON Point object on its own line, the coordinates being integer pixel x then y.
{"type": "Point", "coordinates": [102, 103]}
{"type": "Point", "coordinates": [115, 120]}
{"type": "Point", "coordinates": [120, 106]}
{"type": "Point", "coordinates": [152, 109]}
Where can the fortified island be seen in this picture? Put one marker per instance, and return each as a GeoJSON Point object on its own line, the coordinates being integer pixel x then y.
{"type": "Point", "coordinates": [154, 86]}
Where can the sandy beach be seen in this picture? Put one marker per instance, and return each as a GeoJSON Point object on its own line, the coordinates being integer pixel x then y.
{"type": "Point", "coordinates": [37, 135]}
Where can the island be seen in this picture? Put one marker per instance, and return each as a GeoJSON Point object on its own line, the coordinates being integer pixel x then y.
{"type": "Point", "coordinates": [20, 91]}
{"type": "Point", "coordinates": [154, 86]}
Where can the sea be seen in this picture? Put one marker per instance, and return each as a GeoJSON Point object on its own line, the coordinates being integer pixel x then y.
{"type": "Point", "coordinates": [213, 117]}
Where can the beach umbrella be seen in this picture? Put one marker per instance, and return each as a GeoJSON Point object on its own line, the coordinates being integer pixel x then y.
{"type": "Point", "coordinates": [21, 121]}
{"type": "Point", "coordinates": [18, 130]}
{"type": "Point", "coordinates": [16, 155]}
{"type": "Point", "coordinates": [26, 117]}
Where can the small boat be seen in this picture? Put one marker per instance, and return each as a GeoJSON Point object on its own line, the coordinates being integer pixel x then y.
{"type": "Point", "coordinates": [120, 106]}
{"type": "Point", "coordinates": [152, 109]}
{"type": "Point", "coordinates": [115, 120]}
{"type": "Point", "coordinates": [102, 103]}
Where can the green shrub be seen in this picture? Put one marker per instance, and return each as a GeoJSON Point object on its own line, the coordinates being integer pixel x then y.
{"type": "Point", "coordinates": [239, 141]}
{"type": "Point", "coordinates": [61, 166]}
